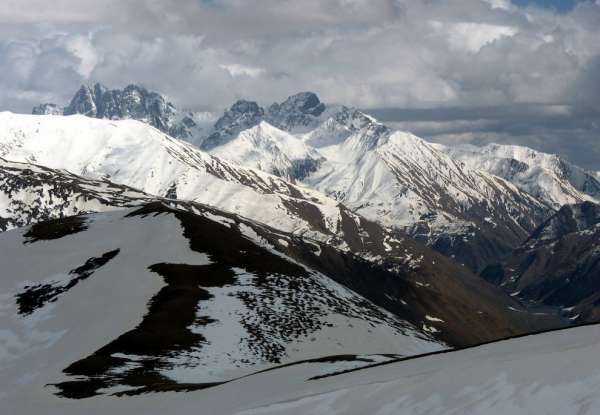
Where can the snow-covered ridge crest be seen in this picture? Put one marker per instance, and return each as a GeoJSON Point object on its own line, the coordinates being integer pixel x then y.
{"type": "Point", "coordinates": [135, 154]}
{"type": "Point", "coordinates": [267, 148]}
{"type": "Point", "coordinates": [399, 179]}
{"type": "Point", "coordinates": [546, 176]}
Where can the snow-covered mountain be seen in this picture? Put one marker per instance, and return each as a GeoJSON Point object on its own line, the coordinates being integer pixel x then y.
{"type": "Point", "coordinates": [546, 176]}
{"type": "Point", "coordinates": [271, 150]}
{"type": "Point", "coordinates": [134, 154]}
{"type": "Point", "coordinates": [475, 204]}
{"type": "Point", "coordinates": [559, 265]}
{"type": "Point", "coordinates": [299, 113]}
{"type": "Point", "coordinates": [399, 180]}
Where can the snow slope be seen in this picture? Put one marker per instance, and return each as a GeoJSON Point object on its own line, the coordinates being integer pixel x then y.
{"type": "Point", "coordinates": [400, 180]}
{"type": "Point", "coordinates": [271, 150]}
{"type": "Point", "coordinates": [546, 176]}
{"type": "Point", "coordinates": [396, 179]}
{"type": "Point", "coordinates": [118, 301]}
{"type": "Point", "coordinates": [553, 373]}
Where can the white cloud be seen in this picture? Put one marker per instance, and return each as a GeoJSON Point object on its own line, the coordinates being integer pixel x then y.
{"type": "Point", "coordinates": [235, 69]}
{"type": "Point", "coordinates": [472, 36]}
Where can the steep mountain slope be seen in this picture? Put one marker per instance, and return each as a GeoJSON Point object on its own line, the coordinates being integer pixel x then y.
{"type": "Point", "coordinates": [301, 112]}
{"type": "Point", "coordinates": [546, 176]}
{"type": "Point", "coordinates": [142, 298]}
{"type": "Point", "coordinates": [396, 179]}
{"type": "Point", "coordinates": [559, 265]}
{"type": "Point", "coordinates": [400, 180]}
{"type": "Point", "coordinates": [30, 194]}
{"type": "Point", "coordinates": [134, 154]}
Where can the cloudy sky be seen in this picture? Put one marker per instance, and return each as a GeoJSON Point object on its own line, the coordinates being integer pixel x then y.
{"type": "Point", "coordinates": [526, 71]}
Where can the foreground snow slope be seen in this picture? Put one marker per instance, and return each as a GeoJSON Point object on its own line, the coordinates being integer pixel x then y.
{"type": "Point", "coordinates": [554, 373]}
{"type": "Point", "coordinates": [551, 373]}
{"type": "Point", "coordinates": [141, 300]}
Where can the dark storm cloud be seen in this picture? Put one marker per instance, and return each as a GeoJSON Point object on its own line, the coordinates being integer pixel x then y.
{"type": "Point", "coordinates": [460, 70]}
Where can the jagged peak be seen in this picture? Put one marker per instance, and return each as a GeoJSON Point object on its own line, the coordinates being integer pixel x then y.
{"type": "Point", "coordinates": [243, 106]}
{"type": "Point", "coordinates": [304, 102]}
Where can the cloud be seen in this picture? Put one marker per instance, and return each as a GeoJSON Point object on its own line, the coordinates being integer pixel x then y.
{"type": "Point", "coordinates": [446, 57]}
{"type": "Point", "coordinates": [235, 69]}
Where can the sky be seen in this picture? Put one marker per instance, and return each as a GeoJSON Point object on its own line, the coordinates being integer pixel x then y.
{"type": "Point", "coordinates": [522, 71]}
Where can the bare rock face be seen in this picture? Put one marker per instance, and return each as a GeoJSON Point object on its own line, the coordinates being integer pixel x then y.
{"type": "Point", "coordinates": [559, 265]}
{"type": "Point", "coordinates": [241, 116]}
{"type": "Point", "coordinates": [298, 112]}
{"type": "Point", "coordinates": [132, 102]}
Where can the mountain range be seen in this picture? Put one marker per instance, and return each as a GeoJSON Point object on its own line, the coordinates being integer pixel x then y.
{"type": "Point", "coordinates": [148, 249]}
{"type": "Point", "coordinates": [473, 204]}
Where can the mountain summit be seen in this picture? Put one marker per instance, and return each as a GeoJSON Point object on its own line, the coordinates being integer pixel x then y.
{"type": "Point", "coordinates": [132, 102]}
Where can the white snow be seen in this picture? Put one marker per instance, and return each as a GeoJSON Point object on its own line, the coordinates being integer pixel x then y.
{"type": "Point", "coordinates": [546, 176]}
{"type": "Point", "coordinates": [132, 153]}
{"type": "Point", "coordinates": [35, 348]}
{"type": "Point", "coordinates": [553, 374]}
{"type": "Point", "coordinates": [266, 148]}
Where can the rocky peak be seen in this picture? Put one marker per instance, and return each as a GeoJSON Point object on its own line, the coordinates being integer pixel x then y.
{"type": "Point", "coordinates": [343, 123]}
{"type": "Point", "coordinates": [352, 118]}
{"type": "Point", "coordinates": [241, 116]}
{"type": "Point", "coordinates": [83, 102]}
{"type": "Point", "coordinates": [132, 102]}
{"type": "Point", "coordinates": [298, 112]}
